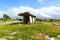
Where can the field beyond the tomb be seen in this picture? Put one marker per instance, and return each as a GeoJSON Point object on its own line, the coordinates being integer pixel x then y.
{"type": "Point", "coordinates": [29, 31]}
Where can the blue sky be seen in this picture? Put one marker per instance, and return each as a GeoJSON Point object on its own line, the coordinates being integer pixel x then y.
{"type": "Point", "coordinates": [31, 3]}
{"type": "Point", "coordinates": [39, 7]}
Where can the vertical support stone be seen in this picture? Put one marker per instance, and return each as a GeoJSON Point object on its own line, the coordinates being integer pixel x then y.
{"type": "Point", "coordinates": [30, 19]}
{"type": "Point", "coordinates": [33, 19]}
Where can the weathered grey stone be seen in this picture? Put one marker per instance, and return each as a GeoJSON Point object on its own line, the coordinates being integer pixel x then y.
{"type": "Point", "coordinates": [32, 36]}
{"type": "Point", "coordinates": [52, 38]}
{"type": "Point", "coordinates": [47, 37]}
{"type": "Point", "coordinates": [11, 37]}
{"type": "Point", "coordinates": [58, 36]}
{"type": "Point", "coordinates": [13, 33]}
{"type": "Point", "coordinates": [19, 39]}
{"type": "Point", "coordinates": [41, 34]}
{"type": "Point", "coordinates": [3, 39]}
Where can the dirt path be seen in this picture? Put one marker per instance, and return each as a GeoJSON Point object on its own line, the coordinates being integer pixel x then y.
{"type": "Point", "coordinates": [7, 22]}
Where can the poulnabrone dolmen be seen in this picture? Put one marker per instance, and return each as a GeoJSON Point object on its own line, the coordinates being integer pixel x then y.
{"type": "Point", "coordinates": [27, 17]}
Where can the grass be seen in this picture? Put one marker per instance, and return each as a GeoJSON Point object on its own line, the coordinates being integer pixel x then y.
{"type": "Point", "coordinates": [25, 31]}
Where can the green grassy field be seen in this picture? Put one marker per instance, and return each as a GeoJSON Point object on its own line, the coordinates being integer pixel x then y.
{"type": "Point", "coordinates": [26, 31]}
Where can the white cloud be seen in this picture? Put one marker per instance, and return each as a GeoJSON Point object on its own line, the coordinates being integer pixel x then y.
{"type": "Point", "coordinates": [40, 1]}
{"type": "Point", "coordinates": [14, 11]}
{"type": "Point", "coordinates": [1, 14]}
{"type": "Point", "coordinates": [45, 12]}
{"type": "Point", "coordinates": [52, 12]}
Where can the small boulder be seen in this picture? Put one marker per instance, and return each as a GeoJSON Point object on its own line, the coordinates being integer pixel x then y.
{"type": "Point", "coordinates": [13, 33]}
{"type": "Point", "coordinates": [52, 38]}
{"type": "Point", "coordinates": [3, 39]}
{"type": "Point", "coordinates": [58, 36]}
